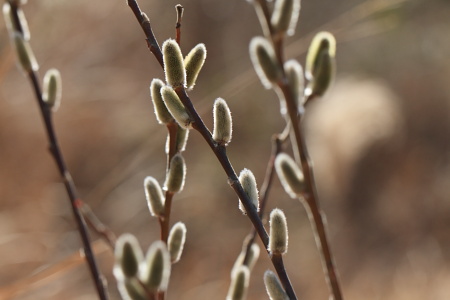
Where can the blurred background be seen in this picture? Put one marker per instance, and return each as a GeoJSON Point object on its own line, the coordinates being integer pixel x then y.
{"type": "Point", "coordinates": [379, 140]}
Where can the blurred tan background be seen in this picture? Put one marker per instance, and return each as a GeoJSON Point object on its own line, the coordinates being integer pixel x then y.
{"type": "Point", "coordinates": [379, 140]}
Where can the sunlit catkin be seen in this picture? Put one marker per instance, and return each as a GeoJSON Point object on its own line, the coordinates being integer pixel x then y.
{"type": "Point", "coordinates": [193, 63]}
{"type": "Point", "coordinates": [239, 284]}
{"type": "Point", "coordinates": [294, 74]}
{"type": "Point", "coordinates": [273, 287]}
{"type": "Point", "coordinates": [17, 25]}
{"type": "Point", "coordinates": [248, 182]}
{"type": "Point", "coordinates": [290, 175]}
{"type": "Point", "coordinates": [320, 63]}
{"type": "Point", "coordinates": [157, 272]}
{"type": "Point", "coordinates": [162, 113]}
{"type": "Point", "coordinates": [223, 125]}
{"type": "Point", "coordinates": [52, 89]}
{"type": "Point", "coordinates": [154, 196]}
{"type": "Point", "coordinates": [264, 61]}
{"type": "Point", "coordinates": [27, 60]}
{"type": "Point", "coordinates": [128, 256]}
{"type": "Point", "coordinates": [173, 64]}
{"type": "Point", "coordinates": [176, 107]}
{"type": "Point", "coordinates": [278, 236]}
{"type": "Point", "coordinates": [285, 16]}
{"type": "Point", "coordinates": [176, 174]}
{"type": "Point", "coordinates": [176, 240]}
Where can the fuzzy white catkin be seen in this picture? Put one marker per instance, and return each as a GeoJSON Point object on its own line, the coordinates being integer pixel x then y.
{"type": "Point", "coordinates": [176, 107]}
{"type": "Point", "coordinates": [176, 175]}
{"type": "Point", "coordinates": [320, 63]}
{"type": "Point", "coordinates": [248, 182]}
{"type": "Point", "coordinates": [52, 89]}
{"type": "Point", "coordinates": [193, 63]}
{"type": "Point", "coordinates": [290, 175]}
{"type": "Point", "coordinates": [154, 196]}
{"type": "Point", "coordinates": [239, 284]}
{"type": "Point", "coordinates": [13, 27]}
{"type": "Point", "coordinates": [162, 113]}
{"type": "Point", "coordinates": [128, 255]}
{"type": "Point", "coordinates": [264, 61]}
{"type": "Point", "coordinates": [273, 286]}
{"type": "Point", "coordinates": [294, 74]}
{"type": "Point", "coordinates": [173, 64]}
{"type": "Point", "coordinates": [285, 16]}
{"type": "Point", "coordinates": [157, 271]}
{"type": "Point", "coordinates": [223, 124]}
{"type": "Point", "coordinates": [278, 236]}
{"type": "Point", "coordinates": [176, 240]}
{"type": "Point", "coordinates": [27, 60]}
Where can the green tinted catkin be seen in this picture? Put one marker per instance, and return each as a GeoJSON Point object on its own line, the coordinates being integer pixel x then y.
{"type": "Point", "coordinates": [176, 175]}
{"type": "Point", "coordinates": [248, 182]}
{"type": "Point", "coordinates": [273, 287]}
{"type": "Point", "coordinates": [176, 107]}
{"type": "Point", "coordinates": [154, 196]}
{"type": "Point", "coordinates": [52, 89]}
{"type": "Point", "coordinates": [264, 61]}
{"type": "Point", "coordinates": [162, 113]}
{"type": "Point", "coordinates": [193, 63]}
{"type": "Point", "coordinates": [173, 64]}
{"type": "Point", "coordinates": [278, 236]}
{"type": "Point", "coordinates": [223, 125]}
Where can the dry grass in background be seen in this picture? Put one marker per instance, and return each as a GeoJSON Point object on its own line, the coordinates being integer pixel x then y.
{"type": "Point", "coordinates": [379, 140]}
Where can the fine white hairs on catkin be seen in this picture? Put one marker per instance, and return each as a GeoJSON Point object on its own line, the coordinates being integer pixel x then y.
{"type": "Point", "coordinates": [193, 63]}
{"type": "Point", "coordinates": [157, 272]}
{"type": "Point", "coordinates": [248, 182]}
{"type": "Point", "coordinates": [176, 107]}
{"type": "Point", "coordinates": [176, 175]}
{"type": "Point", "coordinates": [162, 113]}
{"type": "Point", "coordinates": [285, 16]}
{"type": "Point", "coordinates": [273, 286]}
{"type": "Point", "coordinates": [173, 64]}
{"type": "Point", "coordinates": [154, 196]}
{"type": "Point", "coordinates": [278, 236]}
{"type": "Point", "coordinates": [176, 240]}
{"type": "Point", "coordinates": [290, 175]}
{"type": "Point", "coordinates": [264, 61]}
{"type": "Point", "coordinates": [223, 125]}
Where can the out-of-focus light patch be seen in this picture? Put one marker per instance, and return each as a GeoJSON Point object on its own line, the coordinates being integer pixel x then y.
{"type": "Point", "coordinates": [218, 10]}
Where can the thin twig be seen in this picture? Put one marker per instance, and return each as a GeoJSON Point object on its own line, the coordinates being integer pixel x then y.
{"type": "Point", "coordinates": [179, 9]}
{"type": "Point", "coordinates": [264, 191]}
{"type": "Point", "coordinates": [220, 152]}
{"type": "Point", "coordinates": [144, 21]}
{"type": "Point", "coordinates": [75, 202]}
{"type": "Point", "coordinates": [70, 188]}
{"type": "Point", "coordinates": [301, 151]}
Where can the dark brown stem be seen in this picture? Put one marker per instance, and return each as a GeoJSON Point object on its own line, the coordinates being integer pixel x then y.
{"type": "Point", "coordinates": [220, 152]}
{"type": "Point", "coordinates": [264, 191]}
{"type": "Point", "coordinates": [300, 150]}
{"type": "Point", "coordinates": [179, 10]}
{"type": "Point", "coordinates": [222, 157]}
{"type": "Point", "coordinates": [75, 202]}
{"type": "Point", "coordinates": [144, 21]}
{"type": "Point", "coordinates": [311, 197]}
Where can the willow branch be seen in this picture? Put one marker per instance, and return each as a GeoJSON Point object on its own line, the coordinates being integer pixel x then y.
{"type": "Point", "coordinates": [69, 184]}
